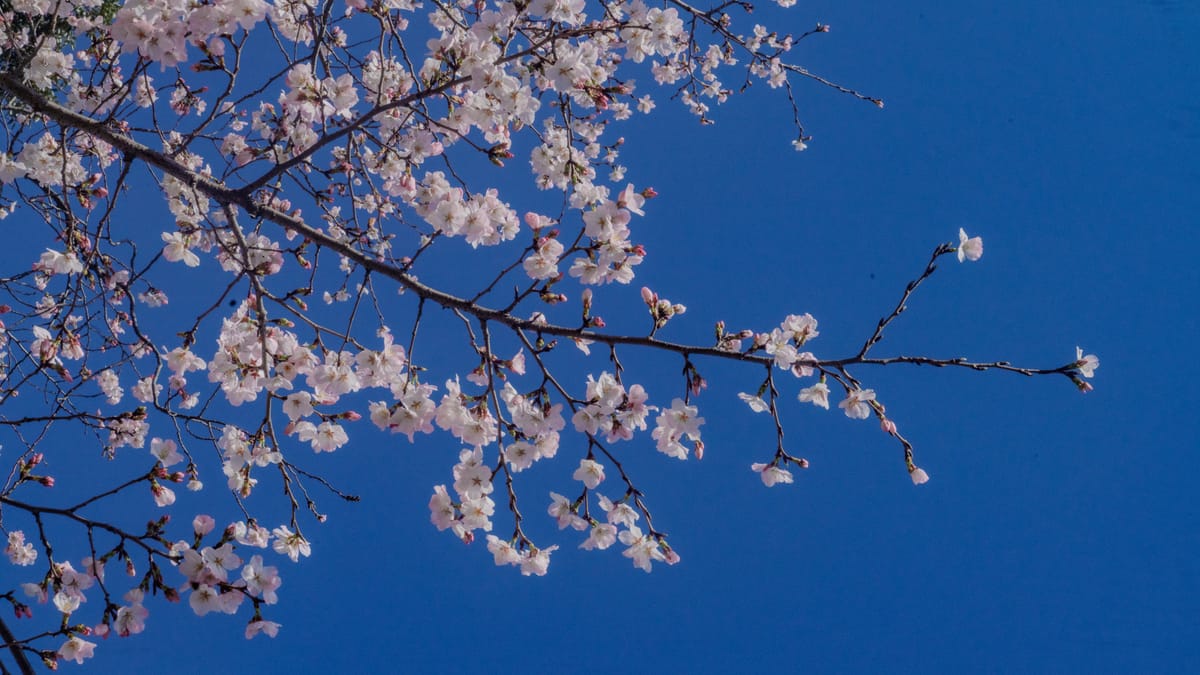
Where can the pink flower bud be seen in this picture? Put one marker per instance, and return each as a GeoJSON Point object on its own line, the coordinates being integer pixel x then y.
{"type": "Point", "coordinates": [46, 481]}
{"type": "Point", "coordinates": [649, 297]}
{"type": "Point", "coordinates": [203, 524]}
{"type": "Point", "coordinates": [888, 426]}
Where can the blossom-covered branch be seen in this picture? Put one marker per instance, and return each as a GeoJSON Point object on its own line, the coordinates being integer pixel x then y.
{"type": "Point", "coordinates": [300, 172]}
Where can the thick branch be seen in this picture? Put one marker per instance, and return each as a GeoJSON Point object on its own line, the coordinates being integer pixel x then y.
{"type": "Point", "coordinates": [17, 652]}
{"type": "Point", "coordinates": [222, 193]}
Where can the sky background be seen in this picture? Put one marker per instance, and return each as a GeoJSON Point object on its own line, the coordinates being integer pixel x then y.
{"type": "Point", "coordinates": [1059, 532]}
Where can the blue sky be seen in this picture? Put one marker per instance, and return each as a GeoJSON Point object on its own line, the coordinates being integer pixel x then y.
{"type": "Point", "coordinates": [1059, 531]}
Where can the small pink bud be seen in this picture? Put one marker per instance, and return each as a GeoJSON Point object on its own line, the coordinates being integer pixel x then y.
{"type": "Point", "coordinates": [672, 557]}
{"type": "Point", "coordinates": [888, 426]}
{"type": "Point", "coordinates": [46, 481]}
{"type": "Point", "coordinates": [203, 524]}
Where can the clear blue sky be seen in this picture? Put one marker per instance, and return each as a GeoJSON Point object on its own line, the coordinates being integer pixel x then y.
{"type": "Point", "coordinates": [1059, 532]}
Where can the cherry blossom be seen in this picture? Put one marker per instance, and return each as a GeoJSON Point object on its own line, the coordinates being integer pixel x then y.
{"type": "Point", "coordinates": [857, 404]}
{"type": "Point", "coordinates": [969, 248]}
{"type": "Point", "coordinates": [590, 473]}
{"type": "Point", "coordinates": [600, 537]}
{"type": "Point", "coordinates": [642, 549]}
{"type": "Point", "coordinates": [56, 262]}
{"type": "Point", "coordinates": [537, 562]}
{"type": "Point", "coordinates": [563, 512]}
{"type": "Point", "coordinates": [673, 425]}
{"type": "Point", "coordinates": [76, 649]}
{"type": "Point", "coordinates": [817, 394]}
{"type": "Point", "coordinates": [756, 404]}
{"type": "Point", "coordinates": [20, 552]}
{"type": "Point", "coordinates": [291, 544]}
{"type": "Point", "coordinates": [261, 580]}
{"type": "Point", "coordinates": [131, 618]}
{"type": "Point", "coordinates": [772, 474]}
{"type": "Point", "coordinates": [503, 551]}
{"type": "Point", "coordinates": [268, 628]}
{"type": "Point", "coordinates": [165, 451]}
{"type": "Point", "coordinates": [1086, 365]}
